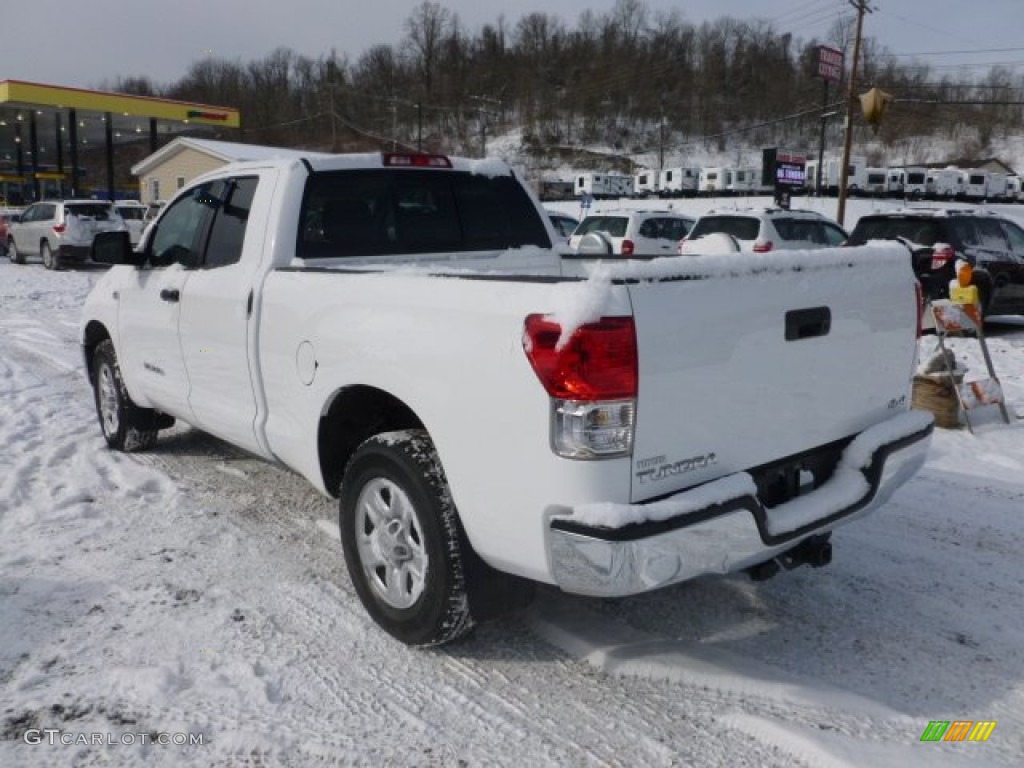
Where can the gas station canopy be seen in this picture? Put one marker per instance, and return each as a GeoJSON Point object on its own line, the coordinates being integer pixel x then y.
{"type": "Point", "coordinates": [46, 129]}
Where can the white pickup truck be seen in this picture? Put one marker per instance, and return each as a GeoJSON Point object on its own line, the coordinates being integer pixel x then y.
{"type": "Point", "coordinates": [489, 411]}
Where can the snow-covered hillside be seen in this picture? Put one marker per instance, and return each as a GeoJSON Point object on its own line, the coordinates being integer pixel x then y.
{"type": "Point", "coordinates": [195, 590]}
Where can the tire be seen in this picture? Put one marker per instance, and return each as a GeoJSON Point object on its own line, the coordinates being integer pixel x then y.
{"type": "Point", "coordinates": [51, 260]}
{"type": "Point", "coordinates": [12, 252]}
{"type": "Point", "coordinates": [125, 426]}
{"type": "Point", "coordinates": [403, 543]}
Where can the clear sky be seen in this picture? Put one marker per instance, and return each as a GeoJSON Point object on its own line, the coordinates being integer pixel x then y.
{"type": "Point", "coordinates": [90, 41]}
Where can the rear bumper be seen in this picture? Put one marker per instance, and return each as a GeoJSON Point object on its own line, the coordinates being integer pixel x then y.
{"type": "Point", "coordinates": [722, 527]}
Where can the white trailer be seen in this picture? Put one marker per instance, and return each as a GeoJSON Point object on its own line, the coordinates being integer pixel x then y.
{"type": "Point", "coordinates": [895, 180]}
{"type": "Point", "coordinates": [678, 182]}
{"type": "Point", "coordinates": [831, 171]}
{"type": "Point", "coordinates": [741, 181]}
{"type": "Point", "coordinates": [985, 185]}
{"type": "Point", "coordinates": [604, 185]}
{"type": "Point", "coordinates": [915, 183]}
{"type": "Point", "coordinates": [945, 183]}
{"type": "Point", "coordinates": [646, 183]}
{"type": "Point", "coordinates": [874, 181]}
{"type": "Point", "coordinates": [1014, 189]}
{"type": "Point", "coordinates": [711, 180]}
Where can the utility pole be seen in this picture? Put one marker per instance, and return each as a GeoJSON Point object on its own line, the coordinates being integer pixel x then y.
{"type": "Point", "coordinates": [661, 137]}
{"type": "Point", "coordinates": [483, 113]}
{"type": "Point", "coordinates": [844, 171]}
{"type": "Point", "coordinates": [419, 126]}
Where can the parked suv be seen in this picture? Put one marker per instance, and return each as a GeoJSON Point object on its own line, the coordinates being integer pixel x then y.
{"type": "Point", "coordinates": [629, 233]}
{"type": "Point", "coordinates": [766, 229]}
{"type": "Point", "coordinates": [60, 231]}
{"type": "Point", "coordinates": [937, 237]}
{"type": "Point", "coordinates": [134, 215]}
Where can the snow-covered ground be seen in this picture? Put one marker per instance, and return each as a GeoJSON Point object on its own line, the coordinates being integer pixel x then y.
{"type": "Point", "coordinates": [195, 590]}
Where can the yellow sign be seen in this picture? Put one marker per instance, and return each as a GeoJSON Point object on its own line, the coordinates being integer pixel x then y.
{"type": "Point", "coordinates": [964, 295]}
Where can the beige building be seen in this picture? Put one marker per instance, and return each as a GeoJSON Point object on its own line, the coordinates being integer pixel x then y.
{"type": "Point", "coordinates": [170, 168]}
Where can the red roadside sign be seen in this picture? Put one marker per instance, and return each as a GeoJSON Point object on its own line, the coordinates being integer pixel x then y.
{"type": "Point", "coordinates": [830, 63]}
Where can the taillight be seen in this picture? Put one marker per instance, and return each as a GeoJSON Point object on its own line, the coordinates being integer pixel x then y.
{"type": "Point", "coordinates": [59, 228]}
{"type": "Point", "coordinates": [598, 362]}
{"type": "Point", "coordinates": [763, 246]}
{"type": "Point", "coordinates": [627, 247]}
{"type": "Point", "coordinates": [941, 256]}
{"type": "Point", "coordinates": [416, 160]}
{"type": "Point", "coordinates": [592, 380]}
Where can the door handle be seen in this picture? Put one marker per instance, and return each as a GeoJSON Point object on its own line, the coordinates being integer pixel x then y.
{"type": "Point", "coordinates": [170, 294]}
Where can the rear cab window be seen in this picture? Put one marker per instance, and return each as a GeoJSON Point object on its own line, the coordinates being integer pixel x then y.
{"type": "Point", "coordinates": [389, 212]}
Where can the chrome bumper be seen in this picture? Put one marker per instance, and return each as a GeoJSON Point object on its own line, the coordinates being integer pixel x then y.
{"type": "Point", "coordinates": [725, 528]}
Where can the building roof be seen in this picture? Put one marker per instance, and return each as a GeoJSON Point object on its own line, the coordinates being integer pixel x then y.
{"type": "Point", "coordinates": [226, 151]}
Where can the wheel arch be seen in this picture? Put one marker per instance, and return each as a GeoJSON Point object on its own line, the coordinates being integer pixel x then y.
{"type": "Point", "coordinates": [94, 334]}
{"type": "Point", "coordinates": [351, 416]}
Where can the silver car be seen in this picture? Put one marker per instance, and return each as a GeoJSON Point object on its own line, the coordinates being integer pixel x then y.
{"type": "Point", "coordinates": [60, 232]}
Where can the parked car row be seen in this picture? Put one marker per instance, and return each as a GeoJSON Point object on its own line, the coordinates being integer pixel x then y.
{"type": "Point", "coordinates": [935, 238]}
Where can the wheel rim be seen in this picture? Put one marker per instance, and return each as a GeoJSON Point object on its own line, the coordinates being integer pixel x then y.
{"type": "Point", "coordinates": [12, 251]}
{"type": "Point", "coordinates": [107, 390]}
{"type": "Point", "coordinates": [390, 543]}
{"type": "Point", "coordinates": [47, 257]}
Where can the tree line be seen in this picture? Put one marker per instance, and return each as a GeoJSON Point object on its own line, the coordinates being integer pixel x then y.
{"type": "Point", "coordinates": [635, 80]}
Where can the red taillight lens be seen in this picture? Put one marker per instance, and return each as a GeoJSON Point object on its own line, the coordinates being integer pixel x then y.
{"type": "Point", "coordinates": [941, 256]}
{"type": "Point", "coordinates": [59, 228]}
{"type": "Point", "coordinates": [416, 160]}
{"type": "Point", "coordinates": [628, 246]}
{"type": "Point", "coordinates": [763, 246]}
{"type": "Point", "coordinates": [599, 361]}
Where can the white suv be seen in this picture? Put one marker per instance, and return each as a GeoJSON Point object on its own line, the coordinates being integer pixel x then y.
{"type": "Point", "coordinates": [630, 233]}
{"type": "Point", "coordinates": [60, 231]}
{"type": "Point", "coordinates": [763, 229]}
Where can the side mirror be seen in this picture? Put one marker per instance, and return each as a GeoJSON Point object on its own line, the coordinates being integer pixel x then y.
{"type": "Point", "coordinates": [114, 248]}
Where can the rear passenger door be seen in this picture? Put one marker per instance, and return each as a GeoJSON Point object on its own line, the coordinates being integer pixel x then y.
{"type": "Point", "coordinates": [217, 310]}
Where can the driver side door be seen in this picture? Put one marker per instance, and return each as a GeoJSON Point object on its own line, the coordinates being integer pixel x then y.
{"type": "Point", "coordinates": [149, 309]}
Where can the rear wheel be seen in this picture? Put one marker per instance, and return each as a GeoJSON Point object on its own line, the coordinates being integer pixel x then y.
{"type": "Point", "coordinates": [50, 259]}
{"type": "Point", "coordinates": [12, 252]}
{"type": "Point", "coordinates": [126, 427]}
{"type": "Point", "coordinates": [404, 546]}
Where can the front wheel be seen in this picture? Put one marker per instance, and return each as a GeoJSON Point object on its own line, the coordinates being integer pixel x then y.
{"type": "Point", "coordinates": [126, 427]}
{"type": "Point", "coordinates": [404, 547]}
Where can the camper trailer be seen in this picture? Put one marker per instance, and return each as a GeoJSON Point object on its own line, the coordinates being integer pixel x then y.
{"type": "Point", "coordinates": [604, 185]}
{"type": "Point", "coordinates": [831, 171]}
{"type": "Point", "coordinates": [678, 182]}
{"type": "Point", "coordinates": [985, 185]}
{"type": "Point", "coordinates": [645, 183]}
{"type": "Point", "coordinates": [874, 181]}
{"type": "Point", "coordinates": [914, 185]}
{"type": "Point", "coordinates": [711, 180]}
{"type": "Point", "coordinates": [945, 183]}
{"type": "Point", "coordinates": [741, 181]}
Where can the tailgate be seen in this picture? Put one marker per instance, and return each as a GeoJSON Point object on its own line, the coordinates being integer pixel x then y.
{"type": "Point", "coordinates": [746, 359]}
